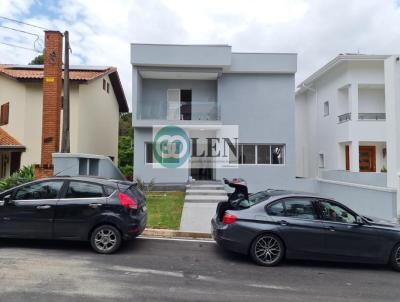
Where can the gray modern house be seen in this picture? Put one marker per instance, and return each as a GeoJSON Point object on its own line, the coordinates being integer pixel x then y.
{"type": "Point", "coordinates": [209, 86]}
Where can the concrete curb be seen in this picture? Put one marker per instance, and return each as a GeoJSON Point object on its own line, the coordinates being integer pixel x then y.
{"type": "Point", "coordinates": [163, 233]}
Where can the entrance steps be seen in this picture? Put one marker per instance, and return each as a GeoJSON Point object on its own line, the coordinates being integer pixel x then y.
{"type": "Point", "coordinates": [205, 191]}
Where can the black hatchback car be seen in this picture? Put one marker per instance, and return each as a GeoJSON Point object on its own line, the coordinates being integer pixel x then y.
{"type": "Point", "coordinates": [271, 225]}
{"type": "Point", "coordinates": [101, 211]}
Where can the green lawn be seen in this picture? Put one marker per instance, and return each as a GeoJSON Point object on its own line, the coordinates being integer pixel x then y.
{"type": "Point", "coordinates": [164, 209]}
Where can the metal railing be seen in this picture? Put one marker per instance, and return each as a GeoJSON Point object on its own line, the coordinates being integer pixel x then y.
{"type": "Point", "coordinates": [372, 116]}
{"type": "Point", "coordinates": [192, 111]}
{"type": "Point", "coordinates": [344, 117]}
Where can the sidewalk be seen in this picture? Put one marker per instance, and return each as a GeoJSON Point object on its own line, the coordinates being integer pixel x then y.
{"type": "Point", "coordinates": [200, 205]}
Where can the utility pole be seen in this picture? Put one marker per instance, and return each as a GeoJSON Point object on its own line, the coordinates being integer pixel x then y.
{"type": "Point", "coordinates": [65, 146]}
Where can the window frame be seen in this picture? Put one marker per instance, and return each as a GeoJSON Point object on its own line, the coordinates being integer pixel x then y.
{"type": "Point", "coordinates": [59, 194]}
{"type": "Point", "coordinates": [145, 154]}
{"type": "Point", "coordinates": [5, 114]}
{"type": "Point", "coordinates": [67, 184]}
{"type": "Point", "coordinates": [319, 207]}
{"type": "Point", "coordinates": [326, 108]}
{"type": "Point", "coordinates": [314, 202]}
{"type": "Point", "coordinates": [256, 145]}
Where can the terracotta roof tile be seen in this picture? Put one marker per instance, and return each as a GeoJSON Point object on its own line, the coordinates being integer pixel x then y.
{"type": "Point", "coordinates": [86, 74]}
{"type": "Point", "coordinates": [7, 140]}
{"type": "Point", "coordinates": [77, 73]}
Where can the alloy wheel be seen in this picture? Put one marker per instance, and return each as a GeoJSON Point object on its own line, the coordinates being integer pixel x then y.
{"type": "Point", "coordinates": [397, 256]}
{"type": "Point", "coordinates": [267, 249]}
{"type": "Point", "coordinates": [105, 239]}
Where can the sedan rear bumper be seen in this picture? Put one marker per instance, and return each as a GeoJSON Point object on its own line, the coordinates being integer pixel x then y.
{"type": "Point", "coordinates": [222, 236]}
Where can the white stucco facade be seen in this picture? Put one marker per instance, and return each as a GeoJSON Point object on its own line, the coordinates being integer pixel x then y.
{"type": "Point", "coordinates": [347, 123]}
{"type": "Point", "coordinates": [94, 114]}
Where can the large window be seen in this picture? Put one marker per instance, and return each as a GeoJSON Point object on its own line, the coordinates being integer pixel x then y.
{"type": "Point", "coordinates": [84, 190]}
{"type": "Point", "coordinates": [40, 190]}
{"type": "Point", "coordinates": [261, 154]}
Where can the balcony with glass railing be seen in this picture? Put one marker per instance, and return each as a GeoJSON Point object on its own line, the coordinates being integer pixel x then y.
{"type": "Point", "coordinates": [369, 116]}
{"type": "Point", "coordinates": [183, 111]}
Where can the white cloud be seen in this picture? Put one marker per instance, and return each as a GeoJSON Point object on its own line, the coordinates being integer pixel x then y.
{"type": "Point", "coordinates": [101, 31]}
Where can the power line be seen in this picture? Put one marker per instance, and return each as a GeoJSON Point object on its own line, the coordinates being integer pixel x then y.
{"type": "Point", "coordinates": [20, 22]}
{"type": "Point", "coordinates": [37, 40]}
{"type": "Point", "coordinates": [22, 47]}
{"type": "Point", "coordinates": [22, 31]}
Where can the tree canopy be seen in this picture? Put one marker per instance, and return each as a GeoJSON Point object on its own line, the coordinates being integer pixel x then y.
{"type": "Point", "coordinates": [38, 60]}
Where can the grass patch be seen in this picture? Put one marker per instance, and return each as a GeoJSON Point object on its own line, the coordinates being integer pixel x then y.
{"type": "Point", "coordinates": [164, 209]}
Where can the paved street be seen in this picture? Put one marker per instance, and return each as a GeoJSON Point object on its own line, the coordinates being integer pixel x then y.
{"type": "Point", "coordinates": [166, 270]}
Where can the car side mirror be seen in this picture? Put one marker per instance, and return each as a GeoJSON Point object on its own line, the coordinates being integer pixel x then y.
{"type": "Point", "coordinates": [7, 200]}
{"type": "Point", "coordinates": [359, 220]}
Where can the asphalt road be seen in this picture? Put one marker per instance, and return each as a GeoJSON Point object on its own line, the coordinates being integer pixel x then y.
{"type": "Point", "coordinates": [165, 270]}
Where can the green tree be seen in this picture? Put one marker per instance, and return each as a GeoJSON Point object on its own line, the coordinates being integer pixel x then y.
{"type": "Point", "coordinates": [38, 60]}
{"type": "Point", "coordinates": [125, 155]}
{"type": "Point", "coordinates": [125, 124]}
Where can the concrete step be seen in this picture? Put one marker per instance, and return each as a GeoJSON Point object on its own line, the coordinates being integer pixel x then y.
{"type": "Point", "coordinates": [205, 198]}
{"type": "Point", "coordinates": [205, 192]}
{"type": "Point", "coordinates": [205, 187]}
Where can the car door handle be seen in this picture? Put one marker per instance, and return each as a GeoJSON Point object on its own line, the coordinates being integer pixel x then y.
{"type": "Point", "coordinates": [44, 207]}
{"type": "Point", "coordinates": [95, 205]}
{"type": "Point", "coordinates": [331, 228]}
{"type": "Point", "coordinates": [283, 222]}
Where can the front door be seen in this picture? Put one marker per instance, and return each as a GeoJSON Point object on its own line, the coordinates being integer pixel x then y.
{"type": "Point", "coordinates": [367, 157]}
{"type": "Point", "coordinates": [345, 239]}
{"type": "Point", "coordinates": [30, 213]}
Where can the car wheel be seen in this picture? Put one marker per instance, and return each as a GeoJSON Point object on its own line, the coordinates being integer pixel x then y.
{"type": "Point", "coordinates": [105, 239]}
{"type": "Point", "coordinates": [395, 258]}
{"type": "Point", "coordinates": [267, 250]}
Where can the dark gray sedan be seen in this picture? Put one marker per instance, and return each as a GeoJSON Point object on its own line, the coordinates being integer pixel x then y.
{"type": "Point", "coordinates": [272, 225]}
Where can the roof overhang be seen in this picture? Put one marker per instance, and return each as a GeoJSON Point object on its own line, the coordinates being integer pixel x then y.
{"type": "Point", "coordinates": [333, 63]}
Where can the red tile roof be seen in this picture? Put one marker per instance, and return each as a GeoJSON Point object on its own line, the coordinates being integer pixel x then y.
{"type": "Point", "coordinates": [36, 72]}
{"type": "Point", "coordinates": [76, 73]}
{"type": "Point", "coordinates": [6, 140]}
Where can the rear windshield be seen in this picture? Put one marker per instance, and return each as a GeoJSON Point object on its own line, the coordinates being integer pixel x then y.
{"type": "Point", "coordinates": [254, 199]}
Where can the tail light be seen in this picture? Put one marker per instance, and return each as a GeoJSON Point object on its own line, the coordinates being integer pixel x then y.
{"type": "Point", "coordinates": [127, 202]}
{"type": "Point", "coordinates": [228, 218]}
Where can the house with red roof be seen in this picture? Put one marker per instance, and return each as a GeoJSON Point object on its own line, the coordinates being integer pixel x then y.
{"type": "Point", "coordinates": [96, 101]}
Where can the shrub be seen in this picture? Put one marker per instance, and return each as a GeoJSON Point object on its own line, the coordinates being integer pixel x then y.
{"type": "Point", "coordinates": [142, 186]}
{"type": "Point", "coordinates": [23, 175]}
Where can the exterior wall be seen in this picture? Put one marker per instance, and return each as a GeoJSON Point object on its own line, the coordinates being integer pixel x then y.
{"type": "Point", "coordinates": [14, 92]}
{"type": "Point", "coordinates": [91, 109]}
{"type": "Point", "coordinates": [392, 92]}
{"type": "Point", "coordinates": [345, 87]}
{"type": "Point", "coordinates": [368, 201]}
{"type": "Point", "coordinates": [263, 108]}
{"type": "Point", "coordinates": [146, 171]}
{"type": "Point", "coordinates": [154, 95]}
{"type": "Point", "coordinates": [96, 127]}
{"type": "Point", "coordinates": [33, 124]}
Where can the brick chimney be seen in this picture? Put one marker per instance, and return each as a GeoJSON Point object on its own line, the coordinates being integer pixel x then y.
{"type": "Point", "coordinates": [52, 85]}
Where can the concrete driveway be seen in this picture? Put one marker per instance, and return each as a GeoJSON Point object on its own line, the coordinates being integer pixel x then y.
{"type": "Point", "coordinates": [170, 270]}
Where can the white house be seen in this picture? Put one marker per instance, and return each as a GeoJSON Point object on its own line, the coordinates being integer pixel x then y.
{"type": "Point", "coordinates": [347, 126]}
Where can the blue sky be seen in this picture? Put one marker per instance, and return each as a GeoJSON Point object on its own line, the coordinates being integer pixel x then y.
{"type": "Point", "coordinates": [102, 30]}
